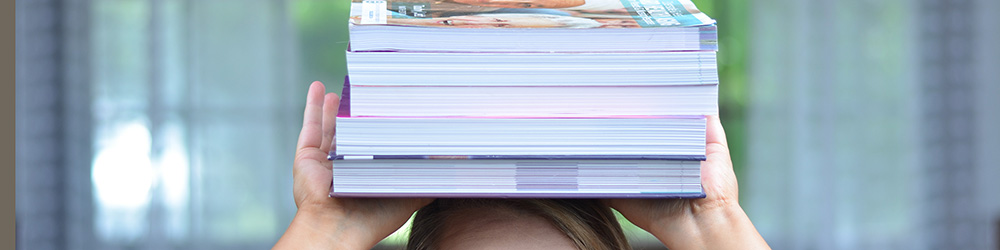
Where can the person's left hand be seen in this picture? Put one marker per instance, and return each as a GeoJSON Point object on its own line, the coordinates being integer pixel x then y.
{"type": "Point", "coordinates": [323, 221]}
{"type": "Point", "coordinates": [714, 222]}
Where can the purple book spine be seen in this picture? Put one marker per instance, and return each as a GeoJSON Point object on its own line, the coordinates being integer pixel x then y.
{"type": "Point", "coordinates": [522, 157]}
{"type": "Point", "coordinates": [343, 111]}
{"type": "Point", "coordinates": [552, 195]}
{"type": "Point", "coordinates": [345, 99]}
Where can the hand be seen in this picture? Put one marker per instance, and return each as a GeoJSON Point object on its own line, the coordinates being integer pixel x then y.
{"type": "Point", "coordinates": [714, 222]}
{"type": "Point", "coordinates": [322, 221]}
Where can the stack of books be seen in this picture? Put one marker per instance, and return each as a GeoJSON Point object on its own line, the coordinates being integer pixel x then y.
{"type": "Point", "coordinates": [461, 98]}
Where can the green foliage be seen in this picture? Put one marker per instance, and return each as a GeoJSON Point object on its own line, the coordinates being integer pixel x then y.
{"type": "Point", "coordinates": [322, 35]}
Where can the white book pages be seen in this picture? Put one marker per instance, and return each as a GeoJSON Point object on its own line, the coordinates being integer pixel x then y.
{"type": "Point", "coordinates": [533, 69]}
{"type": "Point", "coordinates": [517, 178]}
{"type": "Point", "coordinates": [513, 136]}
{"type": "Point", "coordinates": [523, 101]}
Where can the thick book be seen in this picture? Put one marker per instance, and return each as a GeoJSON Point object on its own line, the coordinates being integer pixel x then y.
{"type": "Point", "coordinates": [506, 26]}
{"type": "Point", "coordinates": [517, 157]}
{"type": "Point", "coordinates": [583, 136]}
{"type": "Point", "coordinates": [681, 138]}
{"type": "Point", "coordinates": [512, 84]}
{"type": "Point", "coordinates": [526, 178]}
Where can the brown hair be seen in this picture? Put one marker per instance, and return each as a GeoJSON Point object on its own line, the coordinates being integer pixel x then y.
{"type": "Point", "coordinates": [588, 223]}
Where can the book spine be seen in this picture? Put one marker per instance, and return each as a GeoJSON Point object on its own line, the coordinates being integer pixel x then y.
{"type": "Point", "coordinates": [692, 195]}
{"type": "Point", "coordinates": [333, 156]}
{"type": "Point", "coordinates": [345, 99]}
{"type": "Point", "coordinates": [709, 38]}
{"type": "Point", "coordinates": [344, 110]}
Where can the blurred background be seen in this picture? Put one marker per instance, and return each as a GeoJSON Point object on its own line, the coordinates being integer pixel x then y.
{"type": "Point", "coordinates": [170, 124]}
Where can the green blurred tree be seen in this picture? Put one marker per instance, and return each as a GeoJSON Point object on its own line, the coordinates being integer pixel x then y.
{"type": "Point", "coordinates": [321, 28]}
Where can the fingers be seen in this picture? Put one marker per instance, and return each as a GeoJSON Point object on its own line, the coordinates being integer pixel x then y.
{"type": "Point", "coordinates": [715, 132]}
{"type": "Point", "coordinates": [331, 103]}
{"type": "Point", "coordinates": [716, 147]}
{"type": "Point", "coordinates": [311, 135]}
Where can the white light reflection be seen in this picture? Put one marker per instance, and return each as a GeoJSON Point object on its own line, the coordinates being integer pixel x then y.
{"type": "Point", "coordinates": [122, 176]}
{"type": "Point", "coordinates": [174, 181]}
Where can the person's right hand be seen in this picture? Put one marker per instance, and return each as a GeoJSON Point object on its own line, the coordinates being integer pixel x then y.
{"type": "Point", "coordinates": [714, 222]}
{"type": "Point", "coordinates": [326, 222]}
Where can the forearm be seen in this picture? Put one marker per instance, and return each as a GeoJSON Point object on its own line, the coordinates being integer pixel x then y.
{"type": "Point", "coordinates": [721, 228]}
{"type": "Point", "coordinates": [324, 231]}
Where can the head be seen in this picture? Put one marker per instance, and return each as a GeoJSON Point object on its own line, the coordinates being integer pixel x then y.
{"type": "Point", "coordinates": [516, 224]}
{"type": "Point", "coordinates": [548, 4]}
{"type": "Point", "coordinates": [513, 20]}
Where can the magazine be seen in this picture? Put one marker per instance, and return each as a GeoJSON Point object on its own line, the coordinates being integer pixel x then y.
{"type": "Point", "coordinates": [529, 13]}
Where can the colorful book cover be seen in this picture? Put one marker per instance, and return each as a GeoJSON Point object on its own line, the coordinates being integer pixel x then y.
{"type": "Point", "coordinates": [529, 13]}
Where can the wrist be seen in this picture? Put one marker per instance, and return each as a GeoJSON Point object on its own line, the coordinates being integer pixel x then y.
{"type": "Point", "coordinates": [319, 229]}
{"type": "Point", "coordinates": [725, 226]}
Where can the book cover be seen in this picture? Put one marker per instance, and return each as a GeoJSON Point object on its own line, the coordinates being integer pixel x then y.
{"type": "Point", "coordinates": [530, 26]}
{"type": "Point", "coordinates": [529, 14]}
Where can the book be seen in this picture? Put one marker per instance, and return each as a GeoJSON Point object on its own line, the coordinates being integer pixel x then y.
{"type": "Point", "coordinates": [541, 99]}
{"type": "Point", "coordinates": [678, 138]}
{"type": "Point", "coordinates": [525, 178]}
{"type": "Point", "coordinates": [509, 84]}
{"type": "Point", "coordinates": [493, 26]}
